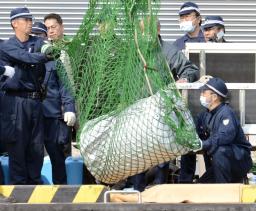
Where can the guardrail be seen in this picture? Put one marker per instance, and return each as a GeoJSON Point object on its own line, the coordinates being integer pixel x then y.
{"type": "Point", "coordinates": [208, 48]}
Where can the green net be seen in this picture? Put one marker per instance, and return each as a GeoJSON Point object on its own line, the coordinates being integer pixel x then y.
{"type": "Point", "coordinates": [131, 115]}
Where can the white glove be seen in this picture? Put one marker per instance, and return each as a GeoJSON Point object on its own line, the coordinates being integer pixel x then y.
{"type": "Point", "coordinates": [9, 71]}
{"type": "Point", "coordinates": [200, 146]}
{"type": "Point", "coordinates": [47, 48]}
{"type": "Point", "coordinates": [70, 118]}
{"type": "Point", "coordinates": [205, 78]}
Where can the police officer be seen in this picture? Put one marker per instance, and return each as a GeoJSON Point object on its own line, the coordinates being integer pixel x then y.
{"type": "Point", "coordinates": [222, 135]}
{"type": "Point", "coordinates": [22, 116]}
{"type": "Point", "coordinates": [190, 22]}
{"type": "Point", "coordinates": [57, 103]}
{"type": "Point", "coordinates": [214, 29]}
{"type": "Point", "coordinates": [8, 72]}
{"type": "Point", "coordinates": [39, 29]}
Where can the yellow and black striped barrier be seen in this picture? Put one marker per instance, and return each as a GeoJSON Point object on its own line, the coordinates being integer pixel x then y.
{"type": "Point", "coordinates": [248, 194]}
{"type": "Point", "coordinates": [35, 194]}
{"type": "Point", "coordinates": [54, 193]}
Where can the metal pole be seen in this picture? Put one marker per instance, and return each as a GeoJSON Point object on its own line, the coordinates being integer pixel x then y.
{"type": "Point", "coordinates": [185, 95]}
{"type": "Point", "coordinates": [255, 67]}
{"type": "Point", "coordinates": [202, 62]}
{"type": "Point", "coordinates": [186, 52]}
{"type": "Point", "coordinates": [242, 106]}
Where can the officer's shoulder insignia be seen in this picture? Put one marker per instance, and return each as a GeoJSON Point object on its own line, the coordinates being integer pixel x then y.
{"type": "Point", "coordinates": [225, 121]}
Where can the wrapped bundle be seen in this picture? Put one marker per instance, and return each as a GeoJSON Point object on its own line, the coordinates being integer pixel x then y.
{"type": "Point", "coordinates": [115, 147]}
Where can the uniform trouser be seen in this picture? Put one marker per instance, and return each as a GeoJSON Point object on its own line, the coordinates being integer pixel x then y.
{"type": "Point", "coordinates": [227, 167]}
{"type": "Point", "coordinates": [188, 167]}
{"type": "Point", "coordinates": [160, 174]}
{"type": "Point", "coordinates": [57, 134]}
{"type": "Point", "coordinates": [139, 181]}
{"type": "Point", "coordinates": [22, 131]}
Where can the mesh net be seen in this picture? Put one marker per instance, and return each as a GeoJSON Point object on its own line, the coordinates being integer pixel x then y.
{"type": "Point", "coordinates": [131, 115]}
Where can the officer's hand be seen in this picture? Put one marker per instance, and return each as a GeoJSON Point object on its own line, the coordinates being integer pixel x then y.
{"type": "Point", "coordinates": [9, 71]}
{"type": "Point", "coordinates": [70, 118]}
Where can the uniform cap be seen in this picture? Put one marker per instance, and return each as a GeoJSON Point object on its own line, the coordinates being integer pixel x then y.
{"type": "Point", "coordinates": [189, 7]}
{"type": "Point", "coordinates": [20, 12]}
{"type": "Point", "coordinates": [39, 27]}
{"type": "Point", "coordinates": [217, 85]}
{"type": "Point", "coordinates": [211, 21]}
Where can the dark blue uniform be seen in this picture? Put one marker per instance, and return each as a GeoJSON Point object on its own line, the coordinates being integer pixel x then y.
{"type": "Point", "coordinates": [160, 174]}
{"type": "Point", "coordinates": [225, 144]}
{"type": "Point", "coordinates": [180, 42]}
{"type": "Point", "coordinates": [2, 69]}
{"type": "Point", "coordinates": [57, 133]}
{"type": "Point", "coordinates": [21, 109]}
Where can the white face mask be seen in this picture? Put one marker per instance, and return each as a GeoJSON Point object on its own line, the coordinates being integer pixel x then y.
{"type": "Point", "coordinates": [220, 35]}
{"type": "Point", "coordinates": [204, 102]}
{"type": "Point", "coordinates": [187, 26]}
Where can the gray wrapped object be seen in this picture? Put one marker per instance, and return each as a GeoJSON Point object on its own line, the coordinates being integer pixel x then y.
{"type": "Point", "coordinates": [115, 147]}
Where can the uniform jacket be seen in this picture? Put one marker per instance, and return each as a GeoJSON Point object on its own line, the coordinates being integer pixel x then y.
{"type": "Point", "coordinates": [180, 42]}
{"type": "Point", "coordinates": [27, 61]}
{"type": "Point", "coordinates": [220, 127]}
{"type": "Point", "coordinates": [58, 99]}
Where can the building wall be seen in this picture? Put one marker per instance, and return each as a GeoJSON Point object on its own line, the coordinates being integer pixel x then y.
{"type": "Point", "coordinates": [239, 15]}
{"type": "Point", "coordinates": [72, 12]}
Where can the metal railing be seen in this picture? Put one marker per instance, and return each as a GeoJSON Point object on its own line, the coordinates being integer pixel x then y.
{"type": "Point", "coordinates": [209, 48]}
